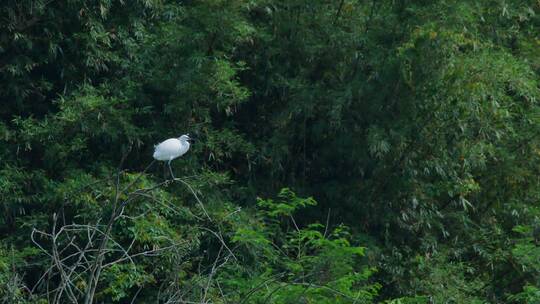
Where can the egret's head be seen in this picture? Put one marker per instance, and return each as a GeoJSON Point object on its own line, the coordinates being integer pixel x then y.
{"type": "Point", "coordinates": [185, 137]}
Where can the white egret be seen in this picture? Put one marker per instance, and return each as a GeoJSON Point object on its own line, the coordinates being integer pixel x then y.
{"type": "Point", "coordinates": [172, 148]}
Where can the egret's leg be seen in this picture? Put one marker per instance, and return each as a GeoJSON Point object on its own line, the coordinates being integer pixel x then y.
{"type": "Point", "coordinates": [170, 169]}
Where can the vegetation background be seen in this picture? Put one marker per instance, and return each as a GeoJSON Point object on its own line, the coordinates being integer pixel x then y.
{"type": "Point", "coordinates": [346, 151]}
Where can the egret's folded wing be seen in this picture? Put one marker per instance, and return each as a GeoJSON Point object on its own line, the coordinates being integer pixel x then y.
{"type": "Point", "coordinates": [167, 150]}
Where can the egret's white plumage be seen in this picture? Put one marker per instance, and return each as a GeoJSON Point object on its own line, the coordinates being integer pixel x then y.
{"type": "Point", "coordinates": [171, 149]}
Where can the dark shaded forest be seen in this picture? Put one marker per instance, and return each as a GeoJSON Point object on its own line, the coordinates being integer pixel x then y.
{"type": "Point", "coordinates": [343, 151]}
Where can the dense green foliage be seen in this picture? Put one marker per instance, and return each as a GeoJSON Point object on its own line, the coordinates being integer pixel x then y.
{"type": "Point", "coordinates": [414, 125]}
